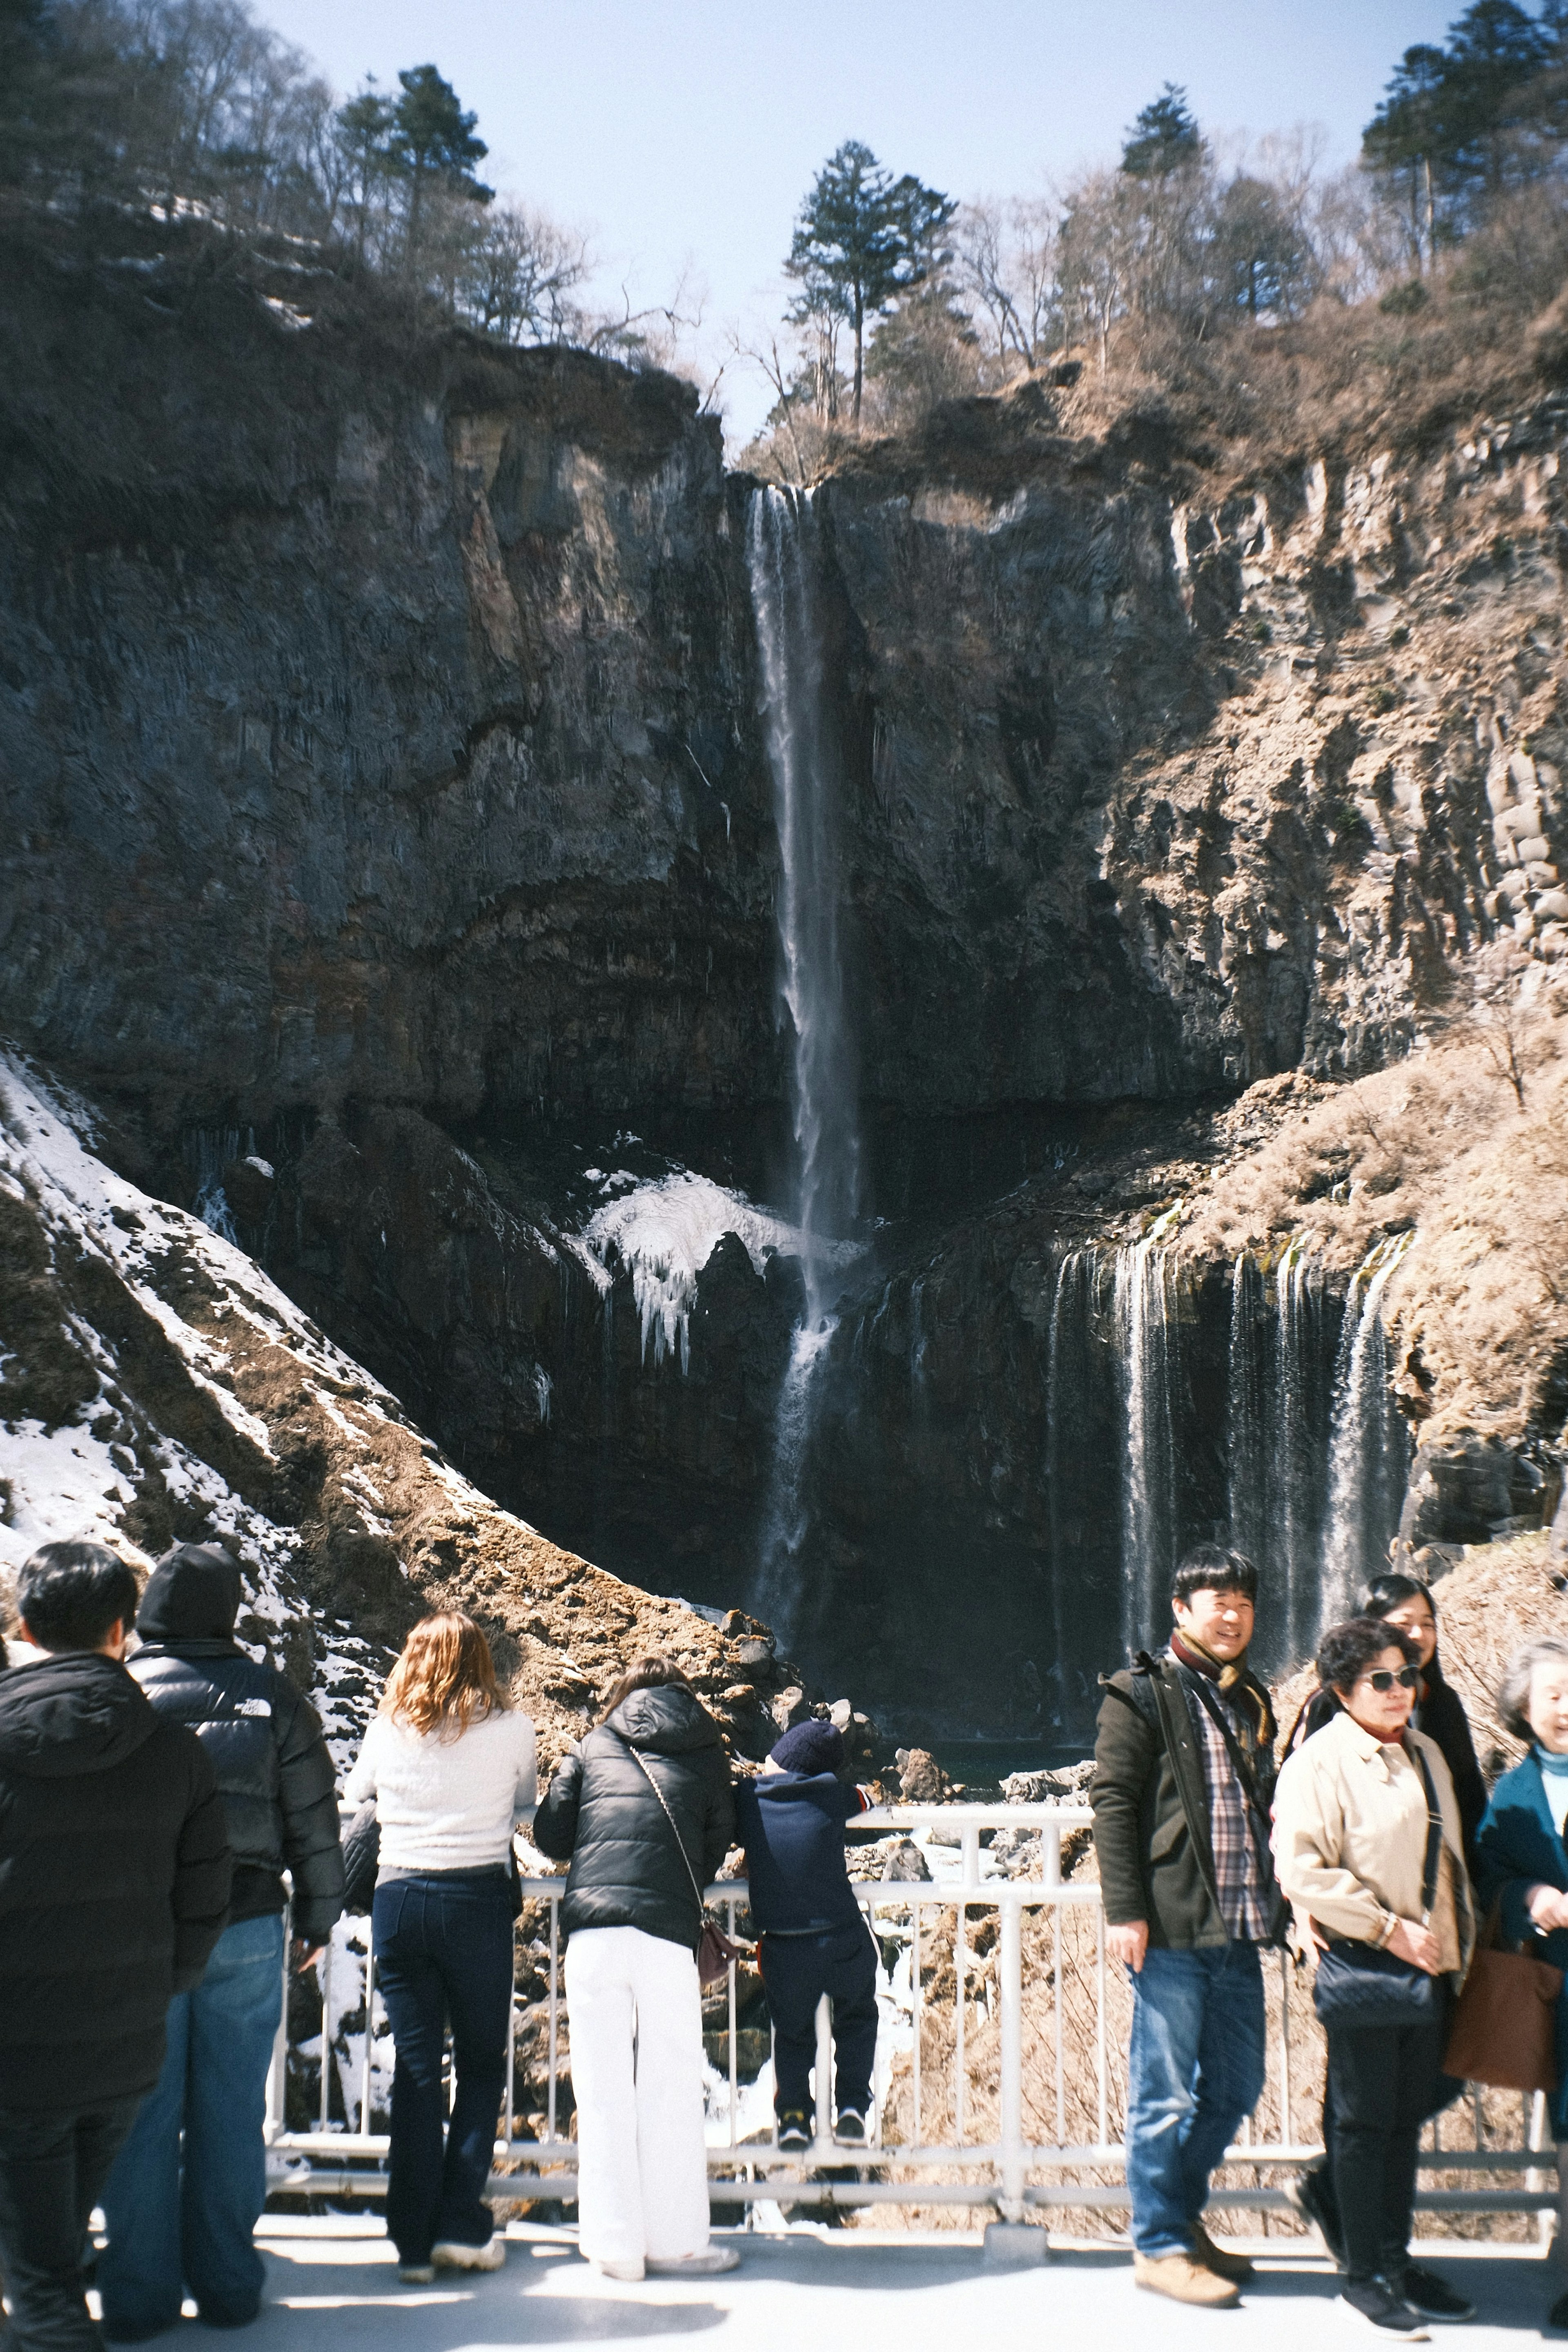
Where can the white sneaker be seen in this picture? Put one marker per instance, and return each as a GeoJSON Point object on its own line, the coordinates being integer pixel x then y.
{"type": "Point", "coordinates": [630, 2272]}
{"type": "Point", "coordinates": [416, 2273]}
{"type": "Point", "coordinates": [706, 2264]}
{"type": "Point", "coordinates": [451, 2254]}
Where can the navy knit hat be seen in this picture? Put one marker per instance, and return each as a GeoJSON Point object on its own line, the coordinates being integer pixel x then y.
{"type": "Point", "coordinates": [811, 1747]}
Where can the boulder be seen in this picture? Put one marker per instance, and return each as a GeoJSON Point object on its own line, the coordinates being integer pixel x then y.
{"type": "Point", "coordinates": [921, 1781]}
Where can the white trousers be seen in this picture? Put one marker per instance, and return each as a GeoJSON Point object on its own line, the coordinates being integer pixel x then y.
{"type": "Point", "coordinates": [636, 2016]}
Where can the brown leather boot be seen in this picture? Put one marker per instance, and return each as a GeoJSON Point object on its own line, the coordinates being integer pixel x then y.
{"type": "Point", "coordinates": [1184, 2280]}
{"type": "Point", "coordinates": [1234, 2267]}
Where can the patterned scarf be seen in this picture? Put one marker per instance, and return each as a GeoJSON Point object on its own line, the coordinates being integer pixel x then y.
{"type": "Point", "coordinates": [1245, 1698]}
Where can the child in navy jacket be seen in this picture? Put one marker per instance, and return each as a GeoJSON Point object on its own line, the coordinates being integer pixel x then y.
{"type": "Point", "coordinates": [813, 1936]}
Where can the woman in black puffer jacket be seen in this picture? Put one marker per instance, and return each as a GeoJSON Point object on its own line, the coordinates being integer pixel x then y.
{"type": "Point", "coordinates": [633, 1912]}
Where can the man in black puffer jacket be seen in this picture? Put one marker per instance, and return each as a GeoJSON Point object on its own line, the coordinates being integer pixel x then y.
{"type": "Point", "coordinates": [645, 1809]}
{"type": "Point", "coordinates": [170, 2233]}
{"type": "Point", "coordinates": [114, 1880]}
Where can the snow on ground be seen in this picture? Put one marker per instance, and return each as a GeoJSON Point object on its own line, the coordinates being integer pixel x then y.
{"type": "Point", "coordinates": [665, 1231]}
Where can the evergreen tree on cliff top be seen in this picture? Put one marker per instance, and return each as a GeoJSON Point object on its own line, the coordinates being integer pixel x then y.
{"type": "Point", "coordinates": [1165, 137]}
{"type": "Point", "coordinates": [1459, 124]}
{"type": "Point", "coordinates": [431, 135]}
{"type": "Point", "coordinates": [862, 239]}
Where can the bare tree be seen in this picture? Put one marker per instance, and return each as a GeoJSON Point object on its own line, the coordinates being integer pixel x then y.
{"type": "Point", "coordinates": [1006, 260]}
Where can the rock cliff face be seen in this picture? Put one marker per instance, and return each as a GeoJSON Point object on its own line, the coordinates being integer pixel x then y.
{"type": "Point", "coordinates": [381, 726]}
{"type": "Point", "coordinates": [377, 724]}
{"type": "Point", "coordinates": [386, 811]}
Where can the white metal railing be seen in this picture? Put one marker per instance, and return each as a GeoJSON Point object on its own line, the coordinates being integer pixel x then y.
{"type": "Point", "coordinates": [961, 2071]}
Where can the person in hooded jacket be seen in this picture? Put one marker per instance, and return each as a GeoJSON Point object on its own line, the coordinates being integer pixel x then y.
{"type": "Point", "coordinates": [186, 2223]}
{"type": "Point", "coordinates": [644, 1810]}
{"type": "Point", "coordinates": [814, 1938]}
{"type": "Point", "coordinates": [114, 1887]}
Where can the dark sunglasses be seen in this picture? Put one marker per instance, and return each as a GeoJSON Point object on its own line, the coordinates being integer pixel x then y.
{"type": "Point", "coordinates": [1385, 1679]}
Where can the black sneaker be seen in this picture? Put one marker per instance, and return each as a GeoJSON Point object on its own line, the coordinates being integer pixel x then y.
{"type": "Point", "coordinates": [1557, 2315]}
{"type": "Point", "coordinates": [849, 2124]}
{"type": "Point", "coordinates": [794, 2131]}
{"type": "Point", "coordinates": [1310, 2195]}
{"type": "Point", "coordinates": [1375, 2301]}
{"type": "Point", "coordinates": [1433, 2297]}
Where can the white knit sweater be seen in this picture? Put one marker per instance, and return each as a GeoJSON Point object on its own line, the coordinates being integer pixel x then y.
{"type": "Point", "coordinates": [445, 1804]}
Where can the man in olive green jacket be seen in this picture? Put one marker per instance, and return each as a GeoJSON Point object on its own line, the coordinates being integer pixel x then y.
{"type": "Point", "coordinates": [1183, 1773]}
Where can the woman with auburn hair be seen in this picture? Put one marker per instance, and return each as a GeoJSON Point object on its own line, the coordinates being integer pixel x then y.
{"type": "Point", "coordinates": [451, 1768]}
{"type": "Point", "coordinates": [644, 1810]}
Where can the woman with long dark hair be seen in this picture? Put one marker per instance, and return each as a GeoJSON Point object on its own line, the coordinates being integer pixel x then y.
{"type": "Point", "coordinates": [1396, 1599]}
{"type": "Point", "coordinates": [451, 1768]}
{"type": "Point", "coordinates": [643, 1810]}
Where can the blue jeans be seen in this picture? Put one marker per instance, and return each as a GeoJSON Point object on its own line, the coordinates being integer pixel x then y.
{"type": "Point", "coordinates": [444, 1950]}
{"type": "Point", "coordinates": [186, 2219]}
{"type": "Point", "coordinates": [1194, 2068]}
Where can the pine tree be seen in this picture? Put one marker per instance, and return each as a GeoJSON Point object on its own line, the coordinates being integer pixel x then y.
{"type": "Point", "coordinates": [431, 134]}
{"type": "Point", "coordinates": [863, 238]}
{"type": "Point", "coordinates": [1164, 138]}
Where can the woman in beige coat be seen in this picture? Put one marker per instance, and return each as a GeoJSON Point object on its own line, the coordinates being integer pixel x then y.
{"type": "Point", "coordinates": [1351, 1814]}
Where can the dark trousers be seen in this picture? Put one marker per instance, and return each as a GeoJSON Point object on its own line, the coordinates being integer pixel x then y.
{"type": "Point", "coordinates": [796, 1971]}
{"type": "Point", "coordinates": [52, 2171]}
{"type": "Point", "coordinates": [1383, 2086]}
{"type": "Point", "coordinates": [444, 1954]}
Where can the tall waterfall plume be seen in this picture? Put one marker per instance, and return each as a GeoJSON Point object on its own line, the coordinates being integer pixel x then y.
{"type": "Point", "coordinates": [784, 560]}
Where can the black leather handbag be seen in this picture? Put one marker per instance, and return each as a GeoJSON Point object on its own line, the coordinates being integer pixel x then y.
{"type": "Point", "coordinates": [1360, 1989]}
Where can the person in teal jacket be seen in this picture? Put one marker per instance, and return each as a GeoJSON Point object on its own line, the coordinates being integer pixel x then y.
{"type": "Point", "coordinates": [1521, 1859]}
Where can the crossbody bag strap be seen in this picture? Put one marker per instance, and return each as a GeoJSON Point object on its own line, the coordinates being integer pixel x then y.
{"type": "Point", "coordinates": [1215, 1709]}
{"type": "Point", "coordinates": [1434, 1838]}
{"type": "Point", "coordinates": [647, 1775]}
{"type": "Point", "coordinates": [1256, 1811]}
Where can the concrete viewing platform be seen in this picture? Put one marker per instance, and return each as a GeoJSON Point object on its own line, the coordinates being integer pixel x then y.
{"type": "Point", "coordinates": [333, 2286]}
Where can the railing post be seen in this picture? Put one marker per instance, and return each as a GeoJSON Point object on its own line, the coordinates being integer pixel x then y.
{"type": "Point", "coordinates": [1011, 1974]}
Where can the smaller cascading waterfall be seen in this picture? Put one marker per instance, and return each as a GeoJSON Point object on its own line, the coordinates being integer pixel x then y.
{"type": "Point", "coordinates": [1245, 1410]}
{"type": "Point", "coordinates": [1147, 1333]}
{"type": "Point", "coordinates": [1075, 1298]}
{"type": "Point", "coordinates": [1294, 1481]}
{"type": "Point", "coordinates": [212, 1150]}
{"type": "Point", "coordinates": [1274, 1435]}
{"type": "Point", "coordinates": [783, 556]}
{"type": "Point", "coordinates": [1367, 1463]}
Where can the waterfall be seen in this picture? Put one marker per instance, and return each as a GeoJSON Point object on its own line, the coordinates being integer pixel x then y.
{"type": "Point", "coordinates": [1146, 1328]}
{"type": "Point", "coordinates": [784, 559]}
{"type": "Point", "coordinates": [785, 1515]}
{"type": "Point", "coordinates": [1295, 1454]}
{"type": "Point", "coordinates": [782, 548]}
{"type": "Point", "coordinates": [1367, 1461]}
{"type": "Point", "coordinates": [209, 1150]}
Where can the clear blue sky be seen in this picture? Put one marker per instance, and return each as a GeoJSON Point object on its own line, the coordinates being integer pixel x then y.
{"type": "Point", "coordinates": [685, 135]}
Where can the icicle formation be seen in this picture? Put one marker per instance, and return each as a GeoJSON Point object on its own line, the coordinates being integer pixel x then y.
{"type": "Point", "coordinates": [1367, 1446]}
{"type": "Point", "coordinates": [1146, 1334]}
{"type": "Point", "coordinates": [782, 534]}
